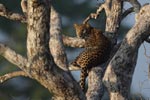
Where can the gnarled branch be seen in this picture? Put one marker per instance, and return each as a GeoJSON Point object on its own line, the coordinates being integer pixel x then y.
{"type": "Point", "coordinates": [4, 12]}
{"type": "Point", "coordinates": [12, 75]}
{"type": "Point", "coordinates": [120, 70]}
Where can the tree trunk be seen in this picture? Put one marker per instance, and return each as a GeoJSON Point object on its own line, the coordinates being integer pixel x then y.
{"type": "Point", "coordinates": [50, 67]}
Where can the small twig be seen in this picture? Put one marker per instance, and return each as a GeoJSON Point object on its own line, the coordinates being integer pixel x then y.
{"type": "Point", "coordinates": [148, 40]}
{"type": "Point", "coordinates": [127, 12]}
{"type": "Point", "coordinates": [102, 7]}
{"type": "Point", "coordinates": [145, 52]}
{"type": "Point", "coordinates": [94, 15]}
{"type": "Point", "coordinates": [12, 56]}
{"type": "Point", "coordinates": [149, 71]}
{"type": "Point", "coordinates": [12, 75]}
{"type": "Point", "coordinates": [10, 15]}
{"type": "Point", "coordinates": [73, 41]}
{"type": "Point", "coordinates": [136, 5]}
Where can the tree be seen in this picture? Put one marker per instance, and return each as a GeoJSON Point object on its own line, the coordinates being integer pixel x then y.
{"type": "Point", "coordinates": [49, 66]}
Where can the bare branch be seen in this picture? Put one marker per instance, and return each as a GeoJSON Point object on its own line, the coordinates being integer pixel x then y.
{"type": "Point", "coordinates": [94, 15]}
{"type": "Point", "coordinates": [12, 56]}
{"type": "Point", "coordinates": [102, 7]}
{"type": "Point", "coordinates": [145, 52]}
{"type": "Point", "coordinates": [10, 15]}
{"type": "Point", "coordinates": [114, 18]}
{"type": "Point", "coordinates": [38, 33]}
{"type": "Point", "coordinates": [73, 41]}
{"type": "Point", "coordinates": [147, 40]}
{"type": "Point", "coordinates": [95, 85]}
{"type": "Point", "coordinates": [56, 44]}
{"type": "Point", "coordinates": [149, 71]}
{"type": "Point", "coordinates": [136, 5]}
{"type": "Point", "coordinates": [57, 81]}
{"type": "Point", "coordinates": [12, 75]}
{"type": "Point", "coordinates": [120, 70]}
{"type": "Point", "coordinates": [127, 12]}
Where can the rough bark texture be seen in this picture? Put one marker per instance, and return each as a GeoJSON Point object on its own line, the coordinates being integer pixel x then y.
{"type": "Point", "coordinates": [113, 18]}
{"type": "Point", "coordinates": [57, 81]}
{"type": "Point", "coordinates": [95, 85]}
{"type": "Point", "coordinates": [118, 75]}
{"type": "Point", "coordinates": [113, 14]}
{"type": "Point", "coordinates": [56, 44]}
{"type": "Point", "coordinates": [46, 67]}
{"type": "Point", "coordinates": [13, 16]}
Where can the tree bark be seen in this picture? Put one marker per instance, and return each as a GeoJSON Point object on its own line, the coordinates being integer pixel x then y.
{"type": "Point", "coordinates": [57, 81]}
{"type": "Point", "coordinates": [45, 65]}
{"type": "Point", "coordinates": [118, 75]}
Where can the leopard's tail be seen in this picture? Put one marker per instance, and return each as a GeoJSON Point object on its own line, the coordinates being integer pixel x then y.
{"type": "Point", "coordinates": [83, 76]}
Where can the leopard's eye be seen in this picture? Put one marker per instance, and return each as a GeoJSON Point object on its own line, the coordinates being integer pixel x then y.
{"type": "Point", "coordinates": [84, 31]}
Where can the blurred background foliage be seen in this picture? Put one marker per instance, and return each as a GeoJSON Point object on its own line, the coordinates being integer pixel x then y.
{"type": "Point", "coordinates": [14, 34]}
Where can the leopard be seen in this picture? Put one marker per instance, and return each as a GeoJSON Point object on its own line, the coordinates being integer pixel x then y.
{"type": "Point", "coordinates": [96, 50]}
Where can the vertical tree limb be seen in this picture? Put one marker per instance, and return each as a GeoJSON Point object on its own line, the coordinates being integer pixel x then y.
{"type": "Point", "coordinates": [113, 20]}
{"type": "Point", "coordinates": [95, 85]}
{"type": "Point", "coordinates": [57, 81]}
{"type": "Point", "coordinates": [56, 44]}
{"type": "Point", "coordinates": [118, 75]}
{"type": "Point", "coordinates": [38, 32]}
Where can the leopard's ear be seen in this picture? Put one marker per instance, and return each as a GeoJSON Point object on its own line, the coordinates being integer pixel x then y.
{"type": "Point", "coordinates": [75, 25]}
{"type": "Point", "coordinates": [87, 25]}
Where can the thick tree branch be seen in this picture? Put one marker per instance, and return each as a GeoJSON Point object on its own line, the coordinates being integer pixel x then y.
{"type": "Point", "coordinates": [120, 70]}
{"type": "Point", "coordinates": [95, 85]}
{"type": "Point", "coordinates": [57, 81]}
{"type": "Point", "coordinates": [113, 20]}
{"type": "Point", "coordinates": [56, 44]}
{"type": "Point", "coordinates": [73, 41]}
{"type": "Point", "coordinates": [12, 56]}
{"type": "Point", "coordinates": [12, 75]}
{"type": "Point", "coordinates": [38, 34]}
{"type": "Point", "coordinates": [10, 15]}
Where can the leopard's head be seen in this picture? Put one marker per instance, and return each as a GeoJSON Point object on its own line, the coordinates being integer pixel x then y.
{"type": "Point", "coordinates": [82, 30]}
